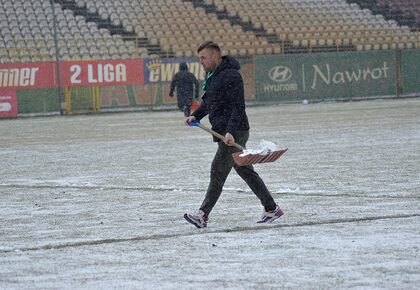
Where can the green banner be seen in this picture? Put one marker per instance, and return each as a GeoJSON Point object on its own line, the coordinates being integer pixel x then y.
{"type": "Point", "coordinates": [342, 75]}
{"type": "Point", "coordinates": [410, 71]}
{"type": "Point", "coordinates": [37, 101]}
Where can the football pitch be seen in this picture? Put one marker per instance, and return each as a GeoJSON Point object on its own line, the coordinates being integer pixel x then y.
{"type": "Point", "coordinates": [96, 201]}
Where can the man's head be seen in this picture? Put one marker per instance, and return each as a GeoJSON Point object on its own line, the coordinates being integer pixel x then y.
{"type": "Point", "coordinates": [210, 55]}
{"type": "Point", "coordinates": [183, 66]}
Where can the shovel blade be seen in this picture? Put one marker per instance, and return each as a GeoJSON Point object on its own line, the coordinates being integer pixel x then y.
{"type": "Point", "coordinates": [257, 158]}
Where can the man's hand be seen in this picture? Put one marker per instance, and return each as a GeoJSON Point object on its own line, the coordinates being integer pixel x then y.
{"type": "Point", "coordinates": [189, 119]}
{"type": "Point", "coordinates": [229, 139]}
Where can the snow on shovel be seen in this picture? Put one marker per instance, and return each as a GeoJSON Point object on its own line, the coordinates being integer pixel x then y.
{"type": "Point", "coordinates": [268, 151]}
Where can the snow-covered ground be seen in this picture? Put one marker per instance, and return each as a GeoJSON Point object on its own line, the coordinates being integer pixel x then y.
{"type": "Point", "coordinates": [96, 202]}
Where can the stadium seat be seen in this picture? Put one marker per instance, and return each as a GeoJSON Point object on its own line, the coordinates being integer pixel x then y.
{"type": "Point", "coordinates": [32, 21]}
{"type": "Point", "coordinates": [176, 25]}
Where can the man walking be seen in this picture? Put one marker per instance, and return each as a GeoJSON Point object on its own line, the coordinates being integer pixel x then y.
{"type": "Point", "coordinates": [224, 102]}
{"type": "Point", "coordinates": [186, 84]}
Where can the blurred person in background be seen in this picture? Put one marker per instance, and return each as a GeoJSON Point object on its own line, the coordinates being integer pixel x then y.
{"type": "Point", "coordinates": [186, 86]}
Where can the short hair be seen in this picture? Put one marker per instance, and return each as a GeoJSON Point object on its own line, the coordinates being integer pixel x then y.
{"type": "Point", "coordinates": [209, 45]}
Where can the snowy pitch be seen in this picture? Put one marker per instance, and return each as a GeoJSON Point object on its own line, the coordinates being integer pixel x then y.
{"type": "Point", "coordinates": [96, 202]}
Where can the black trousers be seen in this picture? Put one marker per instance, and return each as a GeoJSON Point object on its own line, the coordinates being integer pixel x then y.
{"type": "Point", "coordinates": [184, 105]}
{"type": "Point", "coordinates": [220, 168]}
{"type": "Point", "coordinates": [186, 109]}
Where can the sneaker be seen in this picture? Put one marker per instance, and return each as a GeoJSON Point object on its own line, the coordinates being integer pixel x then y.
{"type": "Point", "coordinates": [199, 220]}
{"type": "Point", "coordinates": [269, 216]}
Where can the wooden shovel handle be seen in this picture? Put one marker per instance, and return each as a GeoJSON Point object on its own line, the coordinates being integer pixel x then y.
{"type": "Point", "coordinates": [221, 137]}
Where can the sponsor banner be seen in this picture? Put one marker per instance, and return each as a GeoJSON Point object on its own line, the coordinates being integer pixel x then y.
{"type": "Point", "coordinates": [8, 103]}
{"type": "Point", "coordinates": [325, 75]}
{"type": "Point", "coordinates": [38, 101]}
{"type": "Point", "coordinates": [73, 73]}
{"type": "Point", "coordinates": [248, 74]}
{"type": "Point", "coordinates": [164, 69]}
{"type": "Point", "coordinates": [410, 71]}
{"type": "Point", "coordinates": [102, 73]}
{"type": "Point", "coordinates": [27, 75]}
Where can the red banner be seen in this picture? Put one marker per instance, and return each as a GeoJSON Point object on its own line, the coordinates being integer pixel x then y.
{"type": "Point", "coordinates": [102, 73]}
{"type": "Point", "coordinates": [8, 104]}
{"type": "Point", "coordinates": [73, 73]}
{"type": "Point", "coordinates": [27, 75]}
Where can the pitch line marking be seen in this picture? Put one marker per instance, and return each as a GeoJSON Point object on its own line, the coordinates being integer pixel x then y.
{"type": "Point", "coordinates": [151, 188]}
{"type": "Point", "coordinates": [178, 235]}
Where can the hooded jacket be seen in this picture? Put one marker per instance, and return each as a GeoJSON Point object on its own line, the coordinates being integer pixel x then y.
{"type": "Point", "coordinates": [186, 86]}
{"type": "Point", "coordinates": [224, 100]}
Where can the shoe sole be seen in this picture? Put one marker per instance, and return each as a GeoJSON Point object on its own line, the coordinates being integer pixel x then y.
{"type": "Point", "coordinates": [186, 217]}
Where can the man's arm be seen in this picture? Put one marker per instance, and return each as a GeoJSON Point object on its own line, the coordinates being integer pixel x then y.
{"type": "Point", "coordinates": [235, 94]}
{"type": "Point", "coordinates": [201, 111]}
{"type": "Point", "coordinates": [197, 87]}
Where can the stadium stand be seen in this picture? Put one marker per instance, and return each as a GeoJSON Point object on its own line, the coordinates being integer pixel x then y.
{"type": "Point", "coordinates": [27, 34]}
{"type": "Point", "coordinates": [92, 29]}
{"type": "Point", "coordinates": [404, 12]}
{"type": "Point", "coordinates": [322, 24]}
{"type": "Point", "coordinates": [177, 26]}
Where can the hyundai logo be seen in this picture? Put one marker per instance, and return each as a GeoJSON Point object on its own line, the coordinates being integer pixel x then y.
{"type": "Point", "coordinates": [280, 74]}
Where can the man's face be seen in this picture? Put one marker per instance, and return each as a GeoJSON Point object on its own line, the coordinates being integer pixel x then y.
{"type": "Point", "coordinates": [209, 59]}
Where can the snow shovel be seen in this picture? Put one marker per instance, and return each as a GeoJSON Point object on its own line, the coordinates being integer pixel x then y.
{"type": "Point", "coordinates": [244, 158]}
